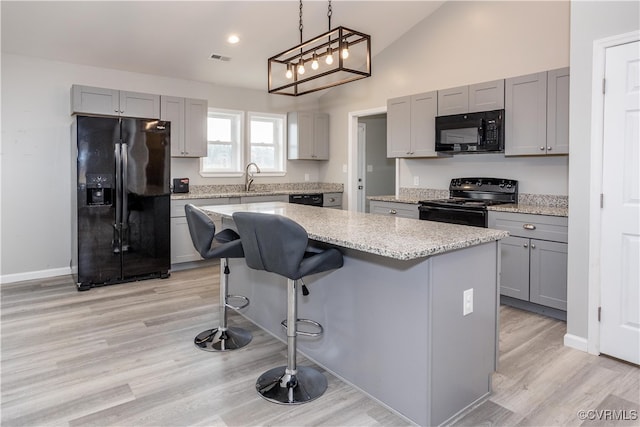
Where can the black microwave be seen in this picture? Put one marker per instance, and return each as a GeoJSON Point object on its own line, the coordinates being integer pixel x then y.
{"type": "Point", "coordinates": [470, 133]}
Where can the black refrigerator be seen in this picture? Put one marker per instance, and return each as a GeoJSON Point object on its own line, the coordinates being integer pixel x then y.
{"type": "Point", "coordinates": [120, 200]}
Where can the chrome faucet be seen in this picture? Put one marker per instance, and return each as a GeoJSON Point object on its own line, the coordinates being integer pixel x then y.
{"type": "Point", "coordinates": [248, 177]}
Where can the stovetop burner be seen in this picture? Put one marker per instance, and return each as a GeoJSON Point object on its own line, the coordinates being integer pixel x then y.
{"type": "Point", "coordinates": [478, 193]}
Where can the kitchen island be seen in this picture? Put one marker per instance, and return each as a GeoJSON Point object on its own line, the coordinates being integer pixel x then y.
{"type": "Point", "coordinates": [393, 314]}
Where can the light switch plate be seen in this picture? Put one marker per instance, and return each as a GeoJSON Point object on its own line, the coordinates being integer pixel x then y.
{"type": "Point", "coordinates": [467, 297]}
{"type": "Point", "coordinates": [416, 180]}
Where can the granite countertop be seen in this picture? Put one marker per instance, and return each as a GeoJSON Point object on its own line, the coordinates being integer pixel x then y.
{"type": "Point", "coordinates": [394, 199]}
{"type": "Point", "coordinates": [237, 190]}
{"type": "Point", "coordinates": [531, 209]}
{"type": "Point", "coordinates": [536, 204]}
{"type": "Point", "coordinates": [391, 237]}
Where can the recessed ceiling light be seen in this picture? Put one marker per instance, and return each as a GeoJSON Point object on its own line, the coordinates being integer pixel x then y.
{"type": "Point", "coordinates": [233, 39]}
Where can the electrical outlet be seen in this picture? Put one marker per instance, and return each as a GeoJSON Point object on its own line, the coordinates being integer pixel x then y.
{"type": "Point", "coordinates": [467, 297]}
{"type": "Point", "coordinates": [306, 177]}
{"type": "Point", "coordinates": [416, 180]}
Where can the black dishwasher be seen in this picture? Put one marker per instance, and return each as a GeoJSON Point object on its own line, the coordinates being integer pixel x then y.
{"type": "Point", "coordinates": [306, 199]}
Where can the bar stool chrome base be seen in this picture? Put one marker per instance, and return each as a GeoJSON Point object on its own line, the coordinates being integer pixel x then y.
{"type": "Point", "coordinates": [217, 340]}
{"type": "Point", "coordinates": [277, 386]}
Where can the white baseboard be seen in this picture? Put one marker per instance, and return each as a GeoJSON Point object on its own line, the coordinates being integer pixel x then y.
{"type": "Point", "coordinates": [31, 275]}
{"type": "Point", "coordinates": [574, 341]}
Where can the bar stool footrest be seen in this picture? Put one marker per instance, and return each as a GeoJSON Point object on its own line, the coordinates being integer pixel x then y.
{"type": "Point", "coordinates": [305, 333]}
{"type": "Point", "coordinates": [238, 307]}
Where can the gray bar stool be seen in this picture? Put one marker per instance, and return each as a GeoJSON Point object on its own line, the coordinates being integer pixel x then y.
{"type": "Point", "coordinates": [277, 244]}
{"type": "Point", "coordinates": [224, 245]}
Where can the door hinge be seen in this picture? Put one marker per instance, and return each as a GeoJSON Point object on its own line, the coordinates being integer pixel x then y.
{"type": "Point", "coordinates": [601, 200]}
{"type": "Point", "coordinates": [604, 86]}
{"type": "Point", "coordinates": [599, 313]}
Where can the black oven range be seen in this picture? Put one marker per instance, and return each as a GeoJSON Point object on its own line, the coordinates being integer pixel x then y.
{"type": "Point", "coordinates": [468, 200]}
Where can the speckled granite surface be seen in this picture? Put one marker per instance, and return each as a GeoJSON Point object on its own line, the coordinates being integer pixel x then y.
{"type": "Point", "coordinates": [237, 190]}
{"type": "Point", "coordinates": [531, 209]}
{"type": "Point", "coordinates": [537, 204]}
{"type": "Point", "coordinates": [391, 237]}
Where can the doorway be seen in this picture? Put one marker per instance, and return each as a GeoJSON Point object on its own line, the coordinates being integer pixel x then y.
{"type": "Point", "coordinates": [376, 172]}
{"type": "Point", "coordinates": [369, 171]}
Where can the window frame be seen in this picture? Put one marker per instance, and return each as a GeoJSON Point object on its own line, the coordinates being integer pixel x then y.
{"type": "Point", "coordinates": [282, 146]}
{"type": "Point", "coordinates": [241, 151]}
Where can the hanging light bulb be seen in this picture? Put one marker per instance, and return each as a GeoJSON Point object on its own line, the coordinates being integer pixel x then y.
{"type": "Point", "coordinates": [289, 73]}
{"type": "Point", "coordinates": [301, 67]}
{"type": "Point", "coordinates": [345, 50]}
{"type": "Point", "coordinates": [314, 61]}
{"type": "Point", "coordinates": [329, 59]}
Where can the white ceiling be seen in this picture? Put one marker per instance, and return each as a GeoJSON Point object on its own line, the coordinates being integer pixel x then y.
{"type": "Point", "coordinates": [176, 38]}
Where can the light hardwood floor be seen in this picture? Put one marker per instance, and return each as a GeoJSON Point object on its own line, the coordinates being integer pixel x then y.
{"type": "Point", "coordinates": [123, 355]}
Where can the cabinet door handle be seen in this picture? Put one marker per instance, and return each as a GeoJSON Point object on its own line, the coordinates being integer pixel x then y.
{"type": "Point", "coordinates": [549, 148]}
{"type": "Point", "coordinates": [542, 148]}
{"type": "Point", "coordinates": [525, 245]}
{"type": "Point", "coordinates": [529, 227]}
{"type": "Point", "coordinates": [392, 211]}
{"type": "Point", "coordinates": [533, 246]}
{"type": "Point", "coordinates": [332, 199]}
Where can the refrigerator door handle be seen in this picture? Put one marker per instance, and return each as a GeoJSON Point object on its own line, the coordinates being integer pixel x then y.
{"type": "Point", "coordinates": [117, 225]}
{"type": "Point", "coordinates": [124, 225]}
{"type": "Point", "coordinates": [118, 187]}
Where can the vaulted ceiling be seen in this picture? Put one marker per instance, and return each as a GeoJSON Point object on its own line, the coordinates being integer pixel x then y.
{"type": "Point", "coordinates": [177, 38]}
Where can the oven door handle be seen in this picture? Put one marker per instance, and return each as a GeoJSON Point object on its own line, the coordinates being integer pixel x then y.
{"type": "Point", "coordinates": [449, 209]}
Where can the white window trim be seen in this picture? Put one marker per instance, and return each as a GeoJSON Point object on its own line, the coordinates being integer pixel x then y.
{"type": "Point", "coordinates": [247, 146]}
{"type": "Point", "coordinates": [242, 138]}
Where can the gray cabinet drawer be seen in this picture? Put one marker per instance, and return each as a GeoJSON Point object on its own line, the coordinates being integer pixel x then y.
{"type": "Point", "coordinates": [542, 227]}
{"type": "Point", "coordinates": [332, 200]}
{"type": "Point", "coordinates": [404, 210]}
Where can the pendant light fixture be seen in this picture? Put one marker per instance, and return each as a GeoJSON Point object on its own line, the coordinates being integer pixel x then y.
{"type": "Point", "coordinates": [338, 56]}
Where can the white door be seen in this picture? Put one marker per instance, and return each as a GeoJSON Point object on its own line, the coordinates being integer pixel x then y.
{"type": "Point", "coordinates": [620, 252]}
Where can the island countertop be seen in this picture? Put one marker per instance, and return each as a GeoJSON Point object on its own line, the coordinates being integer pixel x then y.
{"type": "Point", "coordinates": [391, 237]}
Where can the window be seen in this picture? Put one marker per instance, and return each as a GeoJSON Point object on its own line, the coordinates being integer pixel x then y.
{"type": "Point", "coordinates": [266, 142]}
{"type": "Point", "coordinates": [228, 151]}
{"type": "Point", "coordinates": [224, 146]}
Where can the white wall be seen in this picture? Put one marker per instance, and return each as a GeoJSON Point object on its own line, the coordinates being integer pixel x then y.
{"type": "Point", "coordinates": [590, 21]}
{"type": "Point", "coordinates": [35, 154]}
{"type": "Point", "coordinates": [463, 42]}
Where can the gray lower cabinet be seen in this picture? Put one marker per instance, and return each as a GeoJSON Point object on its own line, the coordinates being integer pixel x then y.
{"type": "Point", "coordinates": [404, 210]}
{"type": "Point", "coordinates": [182, 249]}
{"type": "Point", "coordinates": [332, 200]}
{"type": "Point", "coordinates": [533, 258]}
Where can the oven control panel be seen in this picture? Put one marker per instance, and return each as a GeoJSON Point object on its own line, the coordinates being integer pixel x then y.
{"type": "Point", "coordinates": [498, 185]}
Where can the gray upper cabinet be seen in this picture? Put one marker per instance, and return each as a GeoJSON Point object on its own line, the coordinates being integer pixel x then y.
{"type": "Point", "coordinates": [558, 111]}
{"type": "Point", "coordinates": [188, 119]}
{"type": "Point", "coordinates": [308, 136]}
{"type": "Point", "coordinates": [101, 101]}
{"type": "Point", "coordinates": [537, 114]}
{"type": "Point", "coordinates": [487, 96]}
{"type": "Point", "coordinates": [453, 101]}
{"type": "Point", "coordinates": [411, 125]}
